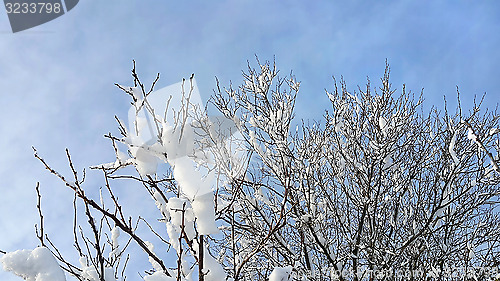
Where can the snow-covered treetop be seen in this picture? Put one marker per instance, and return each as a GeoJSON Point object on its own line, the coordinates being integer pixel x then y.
{"type": "Point", "coordinates": [379, 186]}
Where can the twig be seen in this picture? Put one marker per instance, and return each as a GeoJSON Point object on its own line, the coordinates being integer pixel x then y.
{"type": "Point", "coordinates": [39, 207]}
{"type": "Point", "coordinates": [480, 143]}
{"type": "Point", "coordinates": [122, 225]}
{"type": "Point", "coordinates": [200, 260]}
{"type": "Point", "coordinates": [154, 232]}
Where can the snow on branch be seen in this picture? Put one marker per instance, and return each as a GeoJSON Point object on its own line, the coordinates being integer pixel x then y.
{"type": "Point", "coordinates": [378, 187]}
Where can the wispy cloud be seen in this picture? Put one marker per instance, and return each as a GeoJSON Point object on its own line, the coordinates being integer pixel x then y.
{"type": "Point", "coordinates": [56, 80]}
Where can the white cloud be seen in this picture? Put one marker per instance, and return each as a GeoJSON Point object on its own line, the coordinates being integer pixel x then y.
{"type": "Point", "coordinates": [57, 80]}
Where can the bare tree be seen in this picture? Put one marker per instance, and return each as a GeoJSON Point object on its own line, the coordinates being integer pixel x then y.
{"type": "Point", "coordinates": [382, 189]}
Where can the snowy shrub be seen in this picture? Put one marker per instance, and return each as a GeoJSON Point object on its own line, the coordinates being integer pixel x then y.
{"type": "Point", "coordinates": [380, 190]}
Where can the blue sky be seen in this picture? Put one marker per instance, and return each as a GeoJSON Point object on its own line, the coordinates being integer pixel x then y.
{"type": "Point", "coordinates": [57, 79]}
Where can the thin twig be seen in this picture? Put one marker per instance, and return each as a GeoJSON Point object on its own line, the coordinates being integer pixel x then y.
{"type": "Point", "coordinates": [39, 234]}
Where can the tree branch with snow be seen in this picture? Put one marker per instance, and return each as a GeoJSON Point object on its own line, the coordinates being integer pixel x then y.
{"type": "Point", "coordinates": [381, 185]}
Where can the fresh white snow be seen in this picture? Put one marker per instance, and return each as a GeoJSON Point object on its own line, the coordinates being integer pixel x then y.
{"type": "Point", "coordinates": [281, 274]}
{"type": "Point", "coordinates": [33, 265]}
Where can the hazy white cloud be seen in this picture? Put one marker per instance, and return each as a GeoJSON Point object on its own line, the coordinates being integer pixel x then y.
{"type": "Point", "coordinates": [57, 89]}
